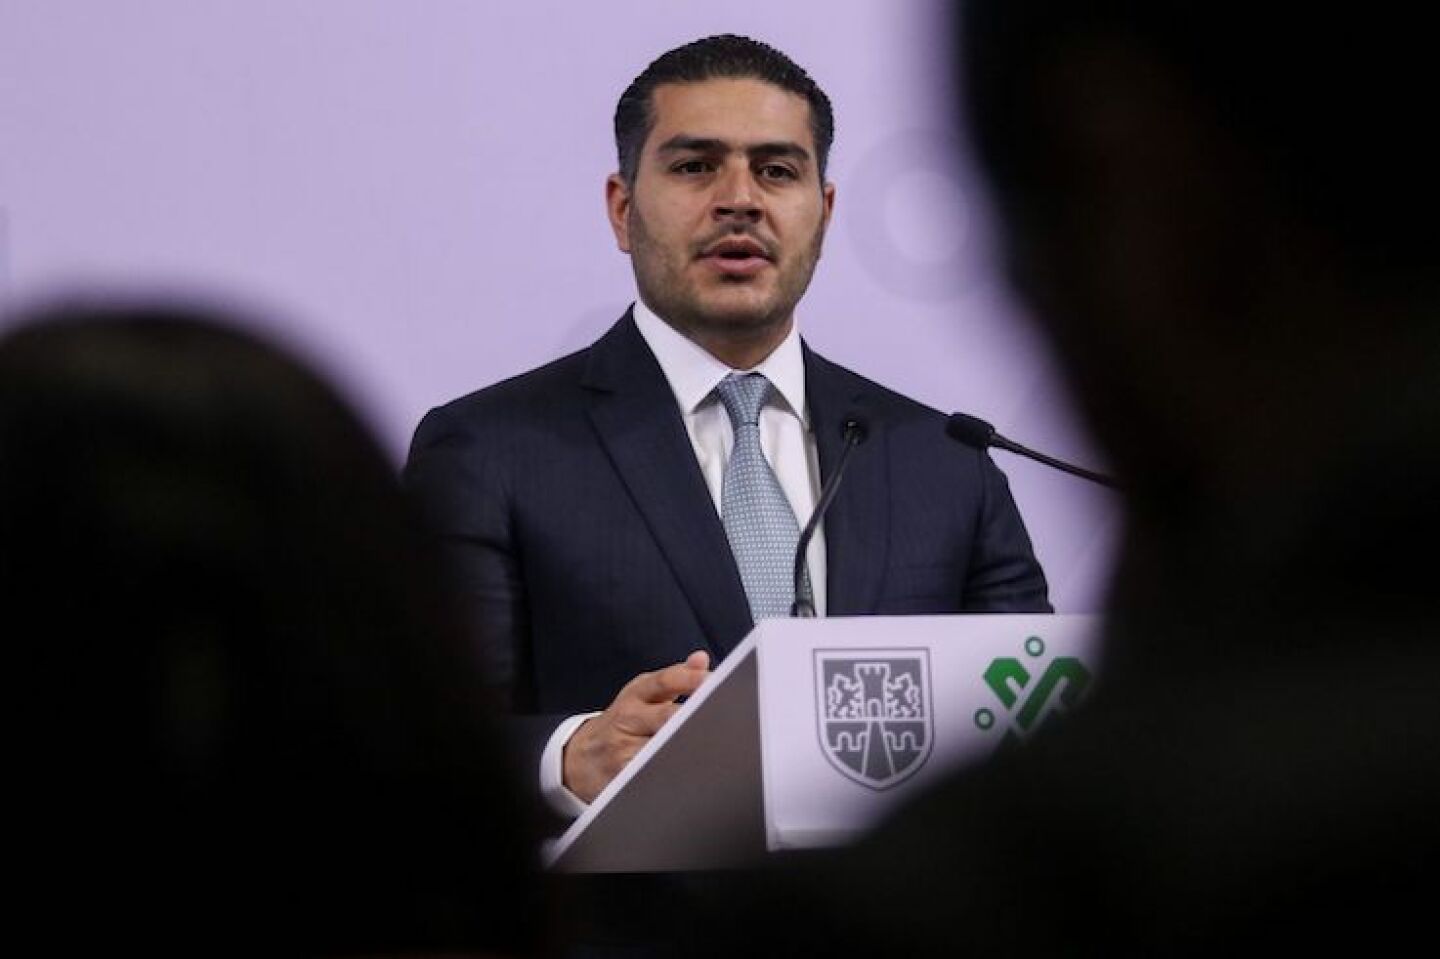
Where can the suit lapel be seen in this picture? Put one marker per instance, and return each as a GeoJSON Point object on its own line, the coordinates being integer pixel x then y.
{"type": "Point", "coordinates": [857, 525]}
{"type": "Point", "coordinates": [640, 427]}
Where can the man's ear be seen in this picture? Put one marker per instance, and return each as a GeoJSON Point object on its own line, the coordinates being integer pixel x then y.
{"type": "Point", "coordinates": [827, 195]}
{"type": "Point", "coordinates": [617, 206]}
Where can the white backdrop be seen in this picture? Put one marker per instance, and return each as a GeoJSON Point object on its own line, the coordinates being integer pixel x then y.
{"type": "Point", "coordinates": [411, 194]}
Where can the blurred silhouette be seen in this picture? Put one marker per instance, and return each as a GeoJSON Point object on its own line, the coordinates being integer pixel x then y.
{"type": "Point", "coordinates": [1224, 216]}
{"type": "Point", "coordinates": [243, 719]}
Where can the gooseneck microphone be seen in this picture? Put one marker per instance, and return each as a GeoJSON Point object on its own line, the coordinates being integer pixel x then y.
{"type": "Point", "coordinates": [854, 430]}
{"type": "Point", "coordinates": [975, 432]}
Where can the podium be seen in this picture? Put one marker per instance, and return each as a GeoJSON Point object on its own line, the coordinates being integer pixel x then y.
{"type": "Point", "coordinates": [812, 729]}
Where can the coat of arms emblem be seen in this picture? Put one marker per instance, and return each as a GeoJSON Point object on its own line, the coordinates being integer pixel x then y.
{"type": "Point", "coordinates": [874, 712]}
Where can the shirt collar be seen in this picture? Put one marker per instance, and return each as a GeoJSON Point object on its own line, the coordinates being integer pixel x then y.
{"type": "Point", "coordinates": [693, 373]}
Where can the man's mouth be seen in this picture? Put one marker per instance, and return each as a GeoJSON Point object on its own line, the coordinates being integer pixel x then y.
{"type": "Point", "coordinates": [737, 256]}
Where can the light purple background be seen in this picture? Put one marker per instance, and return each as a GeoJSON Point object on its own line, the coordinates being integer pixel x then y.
{"type": "Point", "coordinates": [411, 194]}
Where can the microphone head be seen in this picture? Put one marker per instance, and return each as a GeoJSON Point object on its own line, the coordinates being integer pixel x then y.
{"type": "Point", "coordinates": [854, 429]}
{"type": "Point", "coordinates": [970, 430]}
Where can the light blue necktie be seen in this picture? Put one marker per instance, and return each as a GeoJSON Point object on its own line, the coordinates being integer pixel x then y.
{"type": "Point", "coordinates": [758, 519]}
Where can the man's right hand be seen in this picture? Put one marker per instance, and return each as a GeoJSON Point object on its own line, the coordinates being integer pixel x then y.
{"type": "Point", "coordinates": [603, 744]}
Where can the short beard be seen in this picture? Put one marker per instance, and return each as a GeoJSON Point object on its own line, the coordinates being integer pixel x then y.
{"type": "Point", "coordinates": [686, 314]}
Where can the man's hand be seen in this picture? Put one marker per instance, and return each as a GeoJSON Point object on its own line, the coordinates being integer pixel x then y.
{"type": "Point", "coordinates": [603, 744]}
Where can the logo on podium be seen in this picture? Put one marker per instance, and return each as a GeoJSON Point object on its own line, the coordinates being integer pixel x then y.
{"type": "Point", "coordinates": [1032, 701]}
{"type": "Point", "coordinates": [874, 713]}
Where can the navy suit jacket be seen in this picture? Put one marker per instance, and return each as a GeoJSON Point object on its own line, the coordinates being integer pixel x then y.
{"type": "Point", "coordinates": [588, 548]}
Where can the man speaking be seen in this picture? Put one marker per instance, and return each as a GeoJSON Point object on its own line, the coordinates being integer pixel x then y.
{"type": "Point", "coordinates": [620, 518]}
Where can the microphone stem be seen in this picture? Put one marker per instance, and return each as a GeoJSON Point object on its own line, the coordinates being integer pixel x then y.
{"type": "Point", "coordinates": [804, 605]}
{"type": "Point", "coordinates": [1013, 447]}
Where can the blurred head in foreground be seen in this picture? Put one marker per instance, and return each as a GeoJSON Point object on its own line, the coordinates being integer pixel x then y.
{"type": "Point", "coordinates": [244, 719]}
{"type": "Point", "coordinates": [1224, 216]}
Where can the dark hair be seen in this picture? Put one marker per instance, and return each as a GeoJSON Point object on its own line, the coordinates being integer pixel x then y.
{"type": "Point", "coordinates": [251, 720]}
{"type": "Point", "coordinates": [1328, 104]}
{"type": "Point", "coordinates": [722, 57]}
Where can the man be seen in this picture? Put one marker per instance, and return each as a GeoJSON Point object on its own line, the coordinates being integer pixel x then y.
{"type": "Point", "coordinates": [1225, 215]}
{"type": "Point", "coordinates": [621, 517]}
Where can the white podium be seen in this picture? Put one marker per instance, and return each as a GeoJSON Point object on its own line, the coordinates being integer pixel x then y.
{"type": "Point", "coordinates": [812, 729]}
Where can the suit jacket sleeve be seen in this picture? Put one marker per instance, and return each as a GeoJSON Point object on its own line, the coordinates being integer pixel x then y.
{"type": "Point", "coordinates": [1004, 575]}
{"type": "Point", "coordinates": [464, 489]}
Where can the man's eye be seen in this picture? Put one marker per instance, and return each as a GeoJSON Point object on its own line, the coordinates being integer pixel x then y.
{"type": "Point", "coordinates": [692, 167]}
{"type": "Point", "coordinates": [778, 171]}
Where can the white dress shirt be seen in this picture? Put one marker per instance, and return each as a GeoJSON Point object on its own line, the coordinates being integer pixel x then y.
{"type": "Point", "coordinates": [785, 439]}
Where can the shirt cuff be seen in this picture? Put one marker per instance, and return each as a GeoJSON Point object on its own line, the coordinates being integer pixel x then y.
{"type": "Point", "coordinates": [552, 769]}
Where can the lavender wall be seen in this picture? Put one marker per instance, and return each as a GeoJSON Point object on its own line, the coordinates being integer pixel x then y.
{"type": "Point", "coordinates": [412, 194]}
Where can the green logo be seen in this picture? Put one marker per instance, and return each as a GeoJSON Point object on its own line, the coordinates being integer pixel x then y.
{"type": "Point", "coordinates": [1031, 707]}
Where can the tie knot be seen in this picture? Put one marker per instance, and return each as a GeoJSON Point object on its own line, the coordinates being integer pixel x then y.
{"type": "Point", "coordinates": [743, 394]}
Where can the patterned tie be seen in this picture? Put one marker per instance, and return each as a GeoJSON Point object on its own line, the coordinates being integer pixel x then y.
{"type": "Point", "coordinates": [758, 519]}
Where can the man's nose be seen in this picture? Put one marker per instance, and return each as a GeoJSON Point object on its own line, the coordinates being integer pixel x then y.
{"type": "Point", "coordinates": [737, 195]}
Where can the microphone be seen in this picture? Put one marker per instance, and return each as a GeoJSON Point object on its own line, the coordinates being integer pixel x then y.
{"type": "Point", "coordinates": [854, 430]}
{"type": "Point", "coordinates": [975, 432]}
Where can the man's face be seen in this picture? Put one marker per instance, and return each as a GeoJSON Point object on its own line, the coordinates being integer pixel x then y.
{"type": "Point", "coordinates": [725, 218]}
